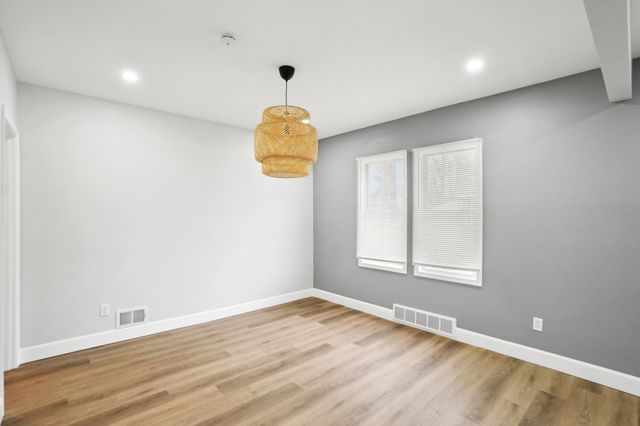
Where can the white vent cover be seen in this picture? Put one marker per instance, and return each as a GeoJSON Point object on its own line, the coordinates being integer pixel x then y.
{"type": "Point", "coordinates": [424, 320]}
{"type": "Point", "coordinates": [131, 316]}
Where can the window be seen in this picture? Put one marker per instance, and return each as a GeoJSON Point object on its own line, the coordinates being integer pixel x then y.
{"type": "Point", "coordinates": [447, 212]}
{"type": "Point", "coordinates": [382, 212]}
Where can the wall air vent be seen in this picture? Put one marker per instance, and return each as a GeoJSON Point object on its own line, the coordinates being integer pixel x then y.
{"type": "Point", "coordinates": [131, 316]}
{"type": "Point", "coordinates": [424, 320]}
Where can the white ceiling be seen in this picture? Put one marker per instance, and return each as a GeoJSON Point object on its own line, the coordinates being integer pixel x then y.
{"type": "Point", "coordinates": [359, 62]}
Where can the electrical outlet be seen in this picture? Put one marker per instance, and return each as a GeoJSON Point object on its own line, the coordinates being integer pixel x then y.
{"type": "Point", "coordinates": [104, 310]}
{"type": "Point", "coordinates": [537, 324]}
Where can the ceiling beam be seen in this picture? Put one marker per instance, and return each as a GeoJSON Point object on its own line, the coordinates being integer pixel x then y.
{"type": "Point", "coordinates": [611, 29]}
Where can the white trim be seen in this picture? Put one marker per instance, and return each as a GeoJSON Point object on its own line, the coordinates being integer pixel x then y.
{"type": "Point", "coordinates": [365, 261]}
{"type": "Point", "coordinates": [447, 146]}
{"type": "Point", "coordinates": [385, 155]}
{"type": "Point", "coordinates": [46, 350]}
{"type": "Point", "coordinates": [604, 376]}
{"type": "Point", "coordinates": [358, 305]}
{"type": "Point", "coordinates": [383, 265]}
{"type": "Point", "coordinates": [454, 275]}
{"type": "Point", "coordinates": [473, 143]}
{"type": "Point", "coordinates": [10, 240]}
{"type": "Point", "coordinates": [584, 370]}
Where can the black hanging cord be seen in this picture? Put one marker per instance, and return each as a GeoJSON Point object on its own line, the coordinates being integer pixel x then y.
{"type": "Point", "coordinates": [286, 94]}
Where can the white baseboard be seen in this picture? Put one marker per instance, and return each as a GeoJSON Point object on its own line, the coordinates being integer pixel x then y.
{"type": "Point", "coordinates": [358, 305]}
{"type": "Point", "coordinates": [59, 347]}
{"type": "Point", "coordinates": [594, 373]}
{"type": "Point", "coordinates": [584, 370]}
{"type": "Point", "coordinates": [604, 376]}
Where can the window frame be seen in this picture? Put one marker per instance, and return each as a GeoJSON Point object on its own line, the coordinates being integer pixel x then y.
{"type": "Point", "coordinates": [439, 272]}
{"type": "Point", "coordinates": [362, 191]}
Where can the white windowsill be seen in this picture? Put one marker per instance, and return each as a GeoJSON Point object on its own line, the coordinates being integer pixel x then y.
{"type": "Point", "coordinates": [384, 265]}
{"type": "Point", "coordinates": [460, 276]}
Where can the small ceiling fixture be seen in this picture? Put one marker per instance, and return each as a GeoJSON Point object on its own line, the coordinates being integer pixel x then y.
{"type": "Point", "coordinates": [285, 143]}
{"type": "Point", "coordinates": [228, 39]}
{"type": "Point", "coordinates": [474, 65]}
{"type": "Point", "coordinates": [130, 76]}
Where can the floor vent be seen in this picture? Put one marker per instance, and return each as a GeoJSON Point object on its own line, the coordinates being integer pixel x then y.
{"type": "Point", "coordinates": [425, 320]}
{"type": "Point", "coordinates": [131, 316]}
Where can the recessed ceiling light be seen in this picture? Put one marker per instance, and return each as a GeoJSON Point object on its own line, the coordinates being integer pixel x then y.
{"type": "Point", "coordinates": [474, 65]}
{"type": "Point", "coordinates": [130, 76]}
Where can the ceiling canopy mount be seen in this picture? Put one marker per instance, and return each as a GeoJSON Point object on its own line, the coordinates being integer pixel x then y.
{"type": "Point", "coordinates": [286, 72]}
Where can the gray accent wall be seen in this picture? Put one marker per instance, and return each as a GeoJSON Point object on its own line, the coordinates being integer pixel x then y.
{"type": "Point", "coordinates": [561, 218]}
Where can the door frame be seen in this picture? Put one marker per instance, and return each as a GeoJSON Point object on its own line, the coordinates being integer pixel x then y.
{"type": "Point", "coordinates": [10, 239]}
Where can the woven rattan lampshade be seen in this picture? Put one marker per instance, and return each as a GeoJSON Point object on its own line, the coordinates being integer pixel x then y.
{"type": "Point", "coordinates": [285, 143]}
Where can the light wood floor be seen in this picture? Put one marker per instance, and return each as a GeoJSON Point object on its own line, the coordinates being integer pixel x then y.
{"type": "Point", "coordinates": [306, 362]}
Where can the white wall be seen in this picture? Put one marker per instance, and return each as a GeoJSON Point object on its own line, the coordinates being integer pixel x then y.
{"type": "Point", "coordinates": [129, 206]}
{"type": "Point", "coordinates": [7, 82]}
{"type": "Point", "coordinates": [8, 99]}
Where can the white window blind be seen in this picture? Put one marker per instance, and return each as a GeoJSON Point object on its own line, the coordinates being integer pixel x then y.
{"type": "Point", "coordinates": [382, 212]}
{"type": "Point", "coordinates": [447, 212]}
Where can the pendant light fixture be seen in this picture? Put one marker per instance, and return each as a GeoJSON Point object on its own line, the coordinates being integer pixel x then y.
{"type": "Point", "coordinates": [285, 143]}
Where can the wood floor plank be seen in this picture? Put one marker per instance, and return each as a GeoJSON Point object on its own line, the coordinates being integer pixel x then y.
{"type": "Point", "coordinates": [440, 380]}
{"type": "Point", "coordinates": [504, 413]}
{"type": "Point", "coordinates": [33, 415]}
{"type": "Point", "coordinates": [303, 362]}
{"type": "Point", "coordinates": [237, 414]}
{"type": "Point", "coordinates": [126, 409]}
{"type": "Point", "coordinates": [544, 409]}
{"type": "Point", "coordinates": [389, 384]}
{"type": "Point", "coordinates": [489, 392]}
{"type": "Point", "coordinates": [270, 369]}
